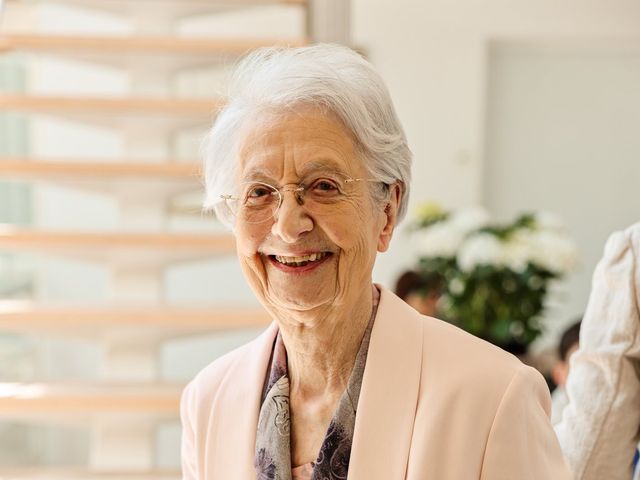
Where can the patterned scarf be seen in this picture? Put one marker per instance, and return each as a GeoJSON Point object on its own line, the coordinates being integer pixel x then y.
{"type": "Point", "coordinates": [273, 448]}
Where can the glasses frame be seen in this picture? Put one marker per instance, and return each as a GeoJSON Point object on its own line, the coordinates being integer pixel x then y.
{"type": "Point", "coordinates": [297, 189]}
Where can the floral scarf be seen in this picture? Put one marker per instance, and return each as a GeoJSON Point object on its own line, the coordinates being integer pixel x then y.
{"type": "Point", "coordinates": [273, 449]}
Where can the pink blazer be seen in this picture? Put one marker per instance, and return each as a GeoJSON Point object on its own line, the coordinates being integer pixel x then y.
{"type": "Point", "coordinates": [436, 404]}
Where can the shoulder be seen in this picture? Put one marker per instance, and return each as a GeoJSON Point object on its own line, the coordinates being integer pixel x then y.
{"type": "Point", "coordinates": [634, 232]}
{"type": "Point", "coordinates": [448, 340]}
{"type": "Point", "coordinates": [473, 381]}
{"type": "Point", "coordinates": [614, 302]}
{"type": "Point", "coordinates": [462, 360]}
{"type": "Point", "coordinates": [453, 359]}
{"type": "Point", "coordinates": [621, 241]}
{"type": "Point", "coordinates": [473, 398]}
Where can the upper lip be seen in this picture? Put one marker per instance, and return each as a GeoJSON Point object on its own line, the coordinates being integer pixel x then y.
{"type": "Point", "coordinates": [296, 254]}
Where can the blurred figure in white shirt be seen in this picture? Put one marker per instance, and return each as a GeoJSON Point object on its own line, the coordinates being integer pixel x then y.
{"type": "Point", "coordinates": [600, 426]}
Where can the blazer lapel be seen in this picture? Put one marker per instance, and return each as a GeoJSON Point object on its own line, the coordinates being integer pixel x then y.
{"type": "Point", "coordinates": [389, 394]}
{"type": "Point", "coordinates": [239, 407]}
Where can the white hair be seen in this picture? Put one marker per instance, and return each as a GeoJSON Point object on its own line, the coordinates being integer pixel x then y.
{"type": "Point", "coordinates": [331, 77]}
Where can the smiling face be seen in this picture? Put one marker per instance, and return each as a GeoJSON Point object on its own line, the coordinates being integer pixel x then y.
{"type": "Point", "coordinates": [309, 256]}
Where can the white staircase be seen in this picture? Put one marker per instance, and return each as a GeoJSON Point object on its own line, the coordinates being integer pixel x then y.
{"type": "Point", "coordinates": [116, 96]}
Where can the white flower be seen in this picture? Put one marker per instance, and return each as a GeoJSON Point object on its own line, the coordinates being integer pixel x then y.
{"type": "Point", "coordinates": [545, 245]}
{"type": "Point", "coordinates": [444, 238]}
{"type": "Point", "coordinates": [439, 240]}
{"type": "Point", "coordinates": [470, 219]}
{"type": "Point", "coordinates": [517, 253]}
{"type": "Point", "coordinates": [481, 249]}
{"type": "Point", "coordinates": [553, 251]}
{"type": "Point", "coordinates": [456, 286]}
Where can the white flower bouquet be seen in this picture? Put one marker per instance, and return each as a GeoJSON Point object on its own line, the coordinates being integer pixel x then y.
{"type": "Point", "coordinates": [495, 277]}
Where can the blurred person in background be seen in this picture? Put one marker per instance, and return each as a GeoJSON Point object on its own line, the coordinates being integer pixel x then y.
{"type": "Point", "coordinates": [420, 290]}
{"type": "Point", "coordinates": [309, 166]}
{"type": "Point", "coordinates": [600, 425]}
{"type": "Point", "coordinates": [569, 342]}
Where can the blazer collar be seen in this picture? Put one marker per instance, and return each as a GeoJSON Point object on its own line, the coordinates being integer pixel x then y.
{"type": "Point", "coordinates": [238, 411]}
{"type": "Point", "coordinates": [389, 394]}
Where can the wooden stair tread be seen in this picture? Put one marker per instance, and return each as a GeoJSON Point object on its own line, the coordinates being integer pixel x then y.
{"type": "Point", "coordinates": [110, 105]}
{"type": "Point", "coordinates": [130, 250]}
{"type": "Point", "coordinates": [14, 237]}
{"type": "Point", "coordinates": [162, 115]}
{"type": "Point", "coordinates": [173, 8]}
{"type": "Point", "coordinates": [75, 44]}
{"type": "Point", "coordinates": [28, 167]}
{"type": "Point", "coordinates": [23, 316]}
{"type": "Point", "coordinates": [212, 4]}
{"type": "Point", "coordinates": [22, 398]}
{"type": "Point", "coordinates": [122, 179]}
{"type": "Point", "coordinates": [79, 473]}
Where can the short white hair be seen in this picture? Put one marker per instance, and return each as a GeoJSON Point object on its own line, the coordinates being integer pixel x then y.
{"type": "Point", "coordinates": [331, 77]}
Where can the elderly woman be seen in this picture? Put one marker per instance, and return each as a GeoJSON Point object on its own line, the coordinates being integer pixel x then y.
{"type": "Point", "coordinates": [309, 166]}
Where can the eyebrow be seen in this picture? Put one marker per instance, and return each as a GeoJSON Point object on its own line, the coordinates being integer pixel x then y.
{"type": "Point", "coordinates": [258, 173]}
{"type": "Point", "coordinates": [318, 165]}
{"type": "Point", "coordinates": [327, 165]}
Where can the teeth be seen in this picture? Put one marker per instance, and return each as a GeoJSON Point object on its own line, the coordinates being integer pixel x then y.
{"type": "Point", "coordinates": [300, 261]}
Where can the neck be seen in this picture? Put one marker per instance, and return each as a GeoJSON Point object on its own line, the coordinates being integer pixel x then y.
{"type": "Point", "coordinates": [321, 351]}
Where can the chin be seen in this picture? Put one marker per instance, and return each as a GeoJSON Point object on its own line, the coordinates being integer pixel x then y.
{"type": "Point", "coordinates": [296, 299]}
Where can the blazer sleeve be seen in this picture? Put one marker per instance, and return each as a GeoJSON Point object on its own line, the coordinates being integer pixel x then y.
{"type": "Point", "coordinates": [522, 443]}
{"type": "Point", "coordinates": [599, 427]}
{"type": "Point", "coordinates": [188, 452]}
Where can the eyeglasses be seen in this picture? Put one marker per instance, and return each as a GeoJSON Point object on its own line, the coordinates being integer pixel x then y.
{"type": "Point", "coordinates": [259, 201]}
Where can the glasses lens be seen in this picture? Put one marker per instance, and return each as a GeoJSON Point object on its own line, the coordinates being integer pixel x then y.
{"type": "Point", "coordinates": [319, 194]}
{"type": "Point", "coordinates": [322, 193]}
{"type": "Point", "coordinates": [257, 203]}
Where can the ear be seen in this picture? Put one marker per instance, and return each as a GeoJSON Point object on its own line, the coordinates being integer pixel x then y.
{"type": "Point", "coordinates": [391, 216]}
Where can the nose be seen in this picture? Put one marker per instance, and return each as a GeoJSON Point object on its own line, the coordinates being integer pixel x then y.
{"type": "Point", "coordinates": [291, 220]}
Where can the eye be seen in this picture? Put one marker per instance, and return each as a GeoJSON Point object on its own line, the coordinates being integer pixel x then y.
{"type": "Point", "coordinates": [258, 194]}
{"type": "Point", "coordinates": [258, 191]}
{"type": "Point", "coordinates": [324, 187]}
